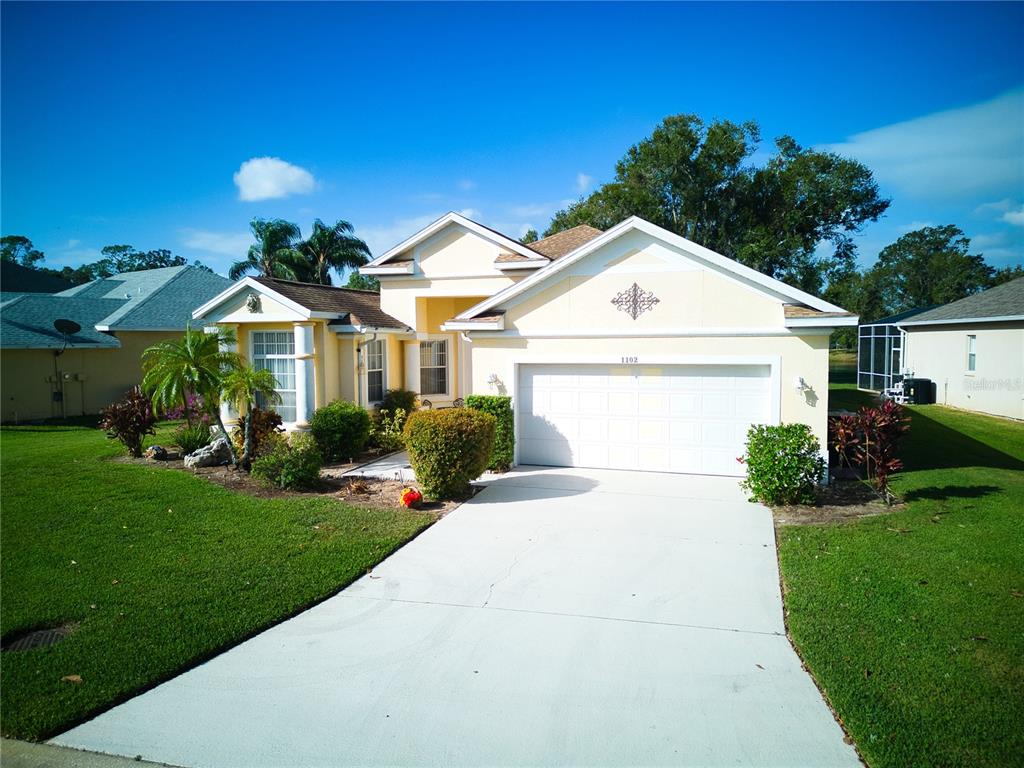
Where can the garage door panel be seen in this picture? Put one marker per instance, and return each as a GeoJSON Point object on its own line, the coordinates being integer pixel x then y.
{"type": "Point", "coordinates": [669, 418]}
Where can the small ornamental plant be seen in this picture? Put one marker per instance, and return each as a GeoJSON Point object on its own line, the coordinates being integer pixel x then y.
{"type": "Point", "coordinates": [784, 464]}
{"type": "Point", "coordinates": [411, 498]}
{"type": "Point", "coordinates": [129, 420]}
{"type": "Point", "coordinates": [869, 440]}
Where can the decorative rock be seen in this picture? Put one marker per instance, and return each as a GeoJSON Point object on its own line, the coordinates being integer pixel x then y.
{"type": "Point", "coordinates": [213, 455]}
{"type": "Point", "coordinates": [156, 453]}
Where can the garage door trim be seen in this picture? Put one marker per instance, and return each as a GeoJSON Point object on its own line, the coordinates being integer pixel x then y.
{"type": "Point", "coordinates": [774, 363]}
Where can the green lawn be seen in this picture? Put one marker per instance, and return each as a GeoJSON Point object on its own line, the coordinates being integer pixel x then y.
{"type": "Point", "coordinates": [913, 622]}
{"type": "Point", "coordinates": [160, 570]}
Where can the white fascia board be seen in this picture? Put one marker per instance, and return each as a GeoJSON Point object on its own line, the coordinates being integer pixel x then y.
{"type": "Point", "coordinates": [658, 333]}
{"type": "Point", "coordinates": [963, 320]}
{"type": "Point", "coordinates": [405, 269]}
{"type": "Point", "coordinates": [700, 252]}
{"type": "Point", "coordinates": [251, 284]}
{"type": "Point", "coordinates": [512, 265]}
{"type": "Point", "coordinates": [821, 322]}
{"type": "Point", "coordinates": [348, 328]}
{"type": "Point", "coordinates": [492, 325]}
{"type": "Point", "coordinates": [453, 218]}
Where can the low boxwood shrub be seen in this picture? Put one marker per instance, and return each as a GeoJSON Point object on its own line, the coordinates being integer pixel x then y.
{"type": "Point", "coordinates": [448, 448]}
{"type": "Point", "coordinates": [191, 437]}
{"type": "Point", "coordinates": [293, 464]}
{"type": "Point", "coordinates": [129, 420]}
{"type": "Point", "coordinates": [341, 429]}
{"type": "Point", "coordinates": [500, 407]}
{"type": "Point", "coordinates": [784, 464]}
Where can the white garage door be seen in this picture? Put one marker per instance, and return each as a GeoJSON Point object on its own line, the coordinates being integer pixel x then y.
{"type": "Point", "coordinates": [661, 419]}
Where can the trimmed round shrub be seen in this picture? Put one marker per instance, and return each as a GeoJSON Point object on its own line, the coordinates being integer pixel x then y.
{"type": "Point", "coordinates": [395, 399]}
{"type": "Point", "coordinates": [449, 448]}
{"type": "Point", "coordinates": [341, 429]}
{"type": "Point", "coordinates": [293, 464]}
{"type": "Point", "coordinates": [500, 407]}
{"type": "Point", "coordinates": [784, 464]}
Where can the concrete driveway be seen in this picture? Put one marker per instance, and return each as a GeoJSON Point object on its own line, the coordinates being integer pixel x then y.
{"type": "Point", "coordinates": [562, 617]}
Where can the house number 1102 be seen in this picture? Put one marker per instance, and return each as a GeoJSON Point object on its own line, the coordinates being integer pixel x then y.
{"type": "Point", "coordinates": [630, 359]}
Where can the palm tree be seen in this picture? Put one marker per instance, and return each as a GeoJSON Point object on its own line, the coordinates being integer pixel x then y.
{"type": "Point", "coordinates": [331, 248]}
{"type": "Point", "coordinates": [274, 253]}
{"type": "Point", "coordinates": [194, 363]}
{"type": "Point", "coordinates": [243, 386]}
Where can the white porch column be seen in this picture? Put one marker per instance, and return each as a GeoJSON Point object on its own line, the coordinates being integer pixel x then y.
{"type": "Point", "coordinates": [228, 414]}
{"type": "Point", "coordinates": [305, 393]}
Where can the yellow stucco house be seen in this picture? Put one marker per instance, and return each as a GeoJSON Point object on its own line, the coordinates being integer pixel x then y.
{"type": "Point", "coordinates": [632, 348]}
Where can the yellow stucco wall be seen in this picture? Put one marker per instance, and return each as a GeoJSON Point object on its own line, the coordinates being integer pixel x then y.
{"type": "Point", "coordinates": [108, 374]}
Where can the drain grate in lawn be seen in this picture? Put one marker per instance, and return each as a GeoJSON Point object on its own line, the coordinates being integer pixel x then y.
{"type": "Point", "coordinates": [37, 638]}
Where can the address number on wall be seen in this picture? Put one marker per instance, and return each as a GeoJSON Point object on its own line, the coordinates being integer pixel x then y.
{"type": "Point", "coordinates": [628, 360]}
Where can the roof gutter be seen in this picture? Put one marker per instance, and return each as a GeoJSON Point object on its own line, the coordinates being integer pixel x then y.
{"type": "Point", "coordinates": [964, 320]}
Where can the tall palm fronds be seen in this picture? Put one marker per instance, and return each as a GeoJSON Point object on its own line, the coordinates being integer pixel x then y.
{"type": "Point", "coordinates": [195, 363]}
{"type": "Point", "coordinates": [242, 386]}
{"type": "Point", "coordinates": [274, 254]}
{"type": "Point", "coordinates": [330, 248]}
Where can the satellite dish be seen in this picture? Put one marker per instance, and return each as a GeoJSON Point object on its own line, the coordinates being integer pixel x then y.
{"type": "Point", "coordinates": [65, 328]}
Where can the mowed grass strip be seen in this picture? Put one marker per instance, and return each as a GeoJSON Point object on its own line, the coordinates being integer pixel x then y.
{"type": "Point", "coordinates": [156, 569]}
{"type": "Point", "coordinates": [913, 622]}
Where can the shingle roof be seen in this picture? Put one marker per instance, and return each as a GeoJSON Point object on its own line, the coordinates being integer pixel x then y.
{"type": "Point", "coordinates": [1006, 300]}
{"type": "Point", "coordinates": [795, 311]}
{"type": "Point", "coordinates": [15, 278]}
{"type": "Point", "coordinates": [27, 322]}
{"type": "Point", "coordinates": [351, 305]}
{"type": "Point", "coordinates": [153, 299]}
{"type": "Point", "coordinates": [559, 244]}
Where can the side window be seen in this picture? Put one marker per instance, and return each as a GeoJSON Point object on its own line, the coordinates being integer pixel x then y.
{"type": "Point", "coordinates": [972, 352]}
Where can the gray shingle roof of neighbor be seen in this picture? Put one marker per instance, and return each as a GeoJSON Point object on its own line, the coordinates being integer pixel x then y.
{"type": "Point", "coordinates": [893, 319]}
{"type": "Point", "coordinates": [351, 305]}
{"type": "Point", "coordinates": [1006, 300]}
{"type": "Point", "coordinates": [152, 299]}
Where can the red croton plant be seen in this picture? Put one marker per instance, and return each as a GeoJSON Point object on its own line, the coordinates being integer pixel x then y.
{"type": "Point", "coordinates": [868, 439]}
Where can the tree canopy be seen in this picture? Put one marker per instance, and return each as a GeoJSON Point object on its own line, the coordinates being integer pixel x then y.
{"type": "Point", "coordinates": [699, 181]}
{"type": "Point", "coordinates": [275, 252]}
{"type": "Point", "coordinates": [330, 248]}
{"type": "Point", "coordinates": [20, 250]}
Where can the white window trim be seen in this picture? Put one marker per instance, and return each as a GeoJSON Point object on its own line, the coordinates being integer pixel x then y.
{"type": "Point", "coordinates": [968, 371]}
{"type": "Point", "coordinates": [294, 356]}
{"type": "Point", "coordinates": [447, 394]}
{"type": "Point", "coordinates": [383, 369]}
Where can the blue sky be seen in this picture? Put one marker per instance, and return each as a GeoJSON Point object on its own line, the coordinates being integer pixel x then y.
{"type": "Point", "coordinates": [137, 123]}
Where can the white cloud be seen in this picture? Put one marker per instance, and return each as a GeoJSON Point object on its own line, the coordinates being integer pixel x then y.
{"type": "Point", "coordinates": [1014, 217]}
{"type": "Point", "coordinates": [266, 178]}
{"type": "Point", "coordinates": [949, 155]}
{"type": "Point", "coordinates": [999, 248]}
{"type": "Point", "coordinates": [583, 182]}
{"type": "Point", "coordinates": [466, 185]}
{"type": "Point", "coordinates": [234, 244]}
{"type": "Point", "coordinates": [73, 243]}
{"type": "Point", "coordinates": [1000, 206]}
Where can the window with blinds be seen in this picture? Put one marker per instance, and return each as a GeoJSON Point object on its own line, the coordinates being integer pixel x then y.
{"type": "Point", "coordinates": [434, 367]}
{"type": "Point", "coordinates": [275, 351]}
{"type": "Point", "coordinates": [375, 371]}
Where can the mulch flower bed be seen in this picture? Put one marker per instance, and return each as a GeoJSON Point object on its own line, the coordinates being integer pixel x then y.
{"type": "Point", "coordinates": [362, 491]}
{"type": "Point", "coordinates": [840, 501]}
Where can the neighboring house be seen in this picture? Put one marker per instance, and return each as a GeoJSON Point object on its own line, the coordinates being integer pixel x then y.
{"type": "Point", "coordinates": [45, 375]}
{"type": "Point", "coordinates": [880, 345]}
{"type": "Point", "coordinates": [973, 349]}
{"type": "Point", "coordinates": [632, 348]}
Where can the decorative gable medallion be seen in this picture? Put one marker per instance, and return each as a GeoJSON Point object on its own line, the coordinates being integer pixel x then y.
{"type": "Point", "coordinates": [634, 301]}
{"type": "Point", "coordinates": [252, 302]}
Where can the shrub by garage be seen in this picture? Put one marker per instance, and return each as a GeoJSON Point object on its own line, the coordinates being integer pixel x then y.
{"type": "Point", "coordinates": [500, 407]}
{"type": "Point", "coordinates": [784, 464]}
{"type": "Point", "coordinates": [449, 448]}
{"type": "Point", "coordinates": [341, 429]}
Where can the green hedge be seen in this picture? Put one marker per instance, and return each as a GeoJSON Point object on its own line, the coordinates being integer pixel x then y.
{"type": "Point", "coordinates": [293, 464]}
{"type": "Point", "coordinates": [341, 429]}
{"type": "Point", "coordinates": [784, 464]}
{"type": "Point", "coordinates": [449, 448]}
{"type": "Point", "coordinates": [500, 407]}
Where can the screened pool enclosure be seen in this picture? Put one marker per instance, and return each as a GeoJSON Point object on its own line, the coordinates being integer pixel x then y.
{"type": "Point", "coordinates": [880, 352]}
